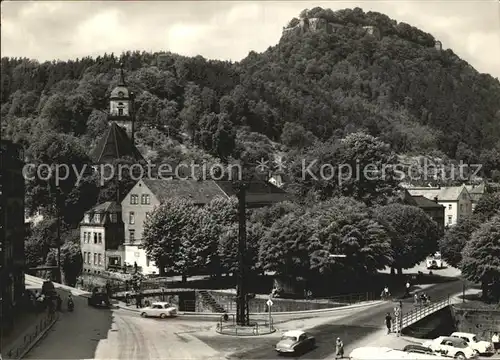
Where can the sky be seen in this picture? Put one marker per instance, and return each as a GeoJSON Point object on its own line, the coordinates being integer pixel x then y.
{"type": "Point", "coordinates": [226, 30]}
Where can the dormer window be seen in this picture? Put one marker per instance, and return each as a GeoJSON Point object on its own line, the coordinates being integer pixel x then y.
{"type": "Point", "coordinates": [87, 218]}
{"type": "Point", "coordinates": [97, 218]}
{"type": "Point", "coordinates": [114, 217]}
{"type": "Point", "coordinates": [121, 94]}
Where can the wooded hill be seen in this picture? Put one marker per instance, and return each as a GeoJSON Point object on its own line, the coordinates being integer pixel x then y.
{"type": "Point", "coordinates": [320, 85]}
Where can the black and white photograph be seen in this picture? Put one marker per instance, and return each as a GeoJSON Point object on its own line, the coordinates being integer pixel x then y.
{"type": "Point", "coordinates": [208, 180]}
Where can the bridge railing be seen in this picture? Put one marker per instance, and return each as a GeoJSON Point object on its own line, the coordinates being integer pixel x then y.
{"type": "Point", "coordinates": [419, 313]}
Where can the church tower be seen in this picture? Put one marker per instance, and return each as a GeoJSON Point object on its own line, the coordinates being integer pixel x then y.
{"type": "Point", "coordinates": [121, 106]}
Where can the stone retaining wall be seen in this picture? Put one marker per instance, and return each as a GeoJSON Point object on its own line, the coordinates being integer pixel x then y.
{"type": "Point", "coordinates": [482, 322]}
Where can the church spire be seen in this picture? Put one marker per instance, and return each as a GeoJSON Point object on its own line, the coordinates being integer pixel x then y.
{"type": "Point", "coordinates": [122, 76]}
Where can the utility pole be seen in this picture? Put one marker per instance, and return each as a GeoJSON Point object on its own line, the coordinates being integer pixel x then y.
{"type": "Point", "coordinates": [242, 315]}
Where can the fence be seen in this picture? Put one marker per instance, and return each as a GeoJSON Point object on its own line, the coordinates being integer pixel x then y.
{"type": "Point", "coordinates": [28, 340]}
{"type": "Point", "coordinates": [227, 325]}
{"type": "Point", "coordinates": [419, 313]}
{"type": "Point", "coordinates": [258, 304]}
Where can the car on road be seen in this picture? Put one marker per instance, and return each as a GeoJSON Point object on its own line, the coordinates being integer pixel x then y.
{"type": "Point", "coordinates": [482, 347]}
{"type": "Point", "coordinates": [159, 309]}
{"type": "Point", "coordinates": [295, 341]}
{"type": "Point", "coordinates": [385, 353]}
{"type": "Point", "coordinates": [452, 347]}
{"type": "Point", "coordinates": [99, 298]}
{"type": "Point", "coordinates": [434, 261]}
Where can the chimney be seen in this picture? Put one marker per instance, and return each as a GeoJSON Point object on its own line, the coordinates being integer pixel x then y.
{"type": "Point", "coordinates": [436, 199]}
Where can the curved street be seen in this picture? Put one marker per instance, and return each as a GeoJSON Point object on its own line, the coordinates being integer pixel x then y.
{"type": "Point", "coordinates": [90, 333]}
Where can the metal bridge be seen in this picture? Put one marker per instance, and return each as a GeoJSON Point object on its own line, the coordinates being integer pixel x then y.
{"type": "Point", "coordinates": [418, 314]}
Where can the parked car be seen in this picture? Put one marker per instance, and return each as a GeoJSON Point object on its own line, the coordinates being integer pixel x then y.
{"type": "Point", "coordinates": [418, 349]}
{"type": "Point", "coordinates": [48, 289]}
{"type": "Point", "coordinates": [159, 309]}
{"type": "Point", "coordinates": [452, 347]}
{"type": "Point", "coordinates": [295, 341]}
{"type": "Point", "coordinates": [434, 261]}
{"type": "Point", "coordinates": [482, 347]}
{"type": "Point", "coordinates": [378, 353]}
{"type": "Point", "coordinates": [99, 298]}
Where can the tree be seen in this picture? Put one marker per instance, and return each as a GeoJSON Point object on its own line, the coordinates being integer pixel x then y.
{"type": "Point", "coordinates": [71, 262]}
{"type": "Point", "coordinates": [376, 183]}
{"type": "Point", "coordinates": [414, 235]}
{"type": "Point", "coordinates": [286, 246]}
{"type": "Point", "coordinates": [295, 136]}
{"type": "Point", "coordinates": [267, 216]}
{"type": "Point", "coordinates": [228, 247]}
{"type": "Point", "coordinates": [488, 206]}
{"type": "Point", "coordinates": [344, 226]}
{"type": "Point", "coordinates": [58, 152]}
{"type": "Point", "coordinates": [455, 239]}
{"type": "Point", "coordinates": [481, 258]}
{"type": "Point", "coordinates": [167, 236]}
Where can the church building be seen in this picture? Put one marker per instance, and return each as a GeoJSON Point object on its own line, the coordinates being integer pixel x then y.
{"type": "Point", "coordinates": [118, 140]}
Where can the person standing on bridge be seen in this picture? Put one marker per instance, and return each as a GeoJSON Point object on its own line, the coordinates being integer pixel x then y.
{"type": "Point", "coordinates": [388, 322]}
{"type": "Point", "coordinates": [339, 349]}
{"type": "Point", "coordinates": [407, 291]}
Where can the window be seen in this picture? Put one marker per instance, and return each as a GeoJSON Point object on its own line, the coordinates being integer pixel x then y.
{"type": "Point", "coordinates": [147, 260]}
{"type": "Point", "coordinates": [97, 218]}
{"type": "Point", "coordinates": [461, 207]}
{"type": "Point", "coordinates": [114, 217]}
{"type": "Point", "coordinates": [449, 207]}
{"type": "Point", "coordinates": [99, 259]}
{"type": "Point", "coordinates": [131, 218]}
{"type": "Point", "coordinates": [464, 196]}
{"type": "Point", "coordinates": [95, 259]}
{"type": "Point", "coordinates": [120, 111]}
{"type": "Point", "coordinates": [87, 218]}
{"type": "Point", "coordinates": [95, 238]}
{"type": "Point", "coordinates": [145, 199]}
{"type": "Point", "coordinates": [88, 258]}
{"type": "Point", "coordinates": [449, 219]}
{"type": "Point", "coordinates": [100, 238]}
{"type": "Point", "coordinates": [131, 233]}
{"type": "Point", "coordinates": [134, 199]}
{"type": "Point", "coordinates": [84, 237]}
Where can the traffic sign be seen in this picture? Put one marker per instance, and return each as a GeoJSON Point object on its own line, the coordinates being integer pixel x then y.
{"type": "Point", "coordinates": [269, 303]}
{"type": "Point", "coordinates": [397, 311]}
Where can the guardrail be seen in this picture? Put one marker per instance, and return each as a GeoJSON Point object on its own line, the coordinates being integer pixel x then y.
{"type": "Point", "coordinates": [20, 349]}
{"type": "Point", "coordinates": [227, 325]}
{"type": "Point", "coordinates": [417, 314]}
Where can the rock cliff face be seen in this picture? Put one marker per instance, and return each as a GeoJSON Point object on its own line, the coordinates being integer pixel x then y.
{"type": "Point", "coordinates": [320, 24]}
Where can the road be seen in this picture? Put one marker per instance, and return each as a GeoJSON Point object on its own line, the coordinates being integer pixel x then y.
{"type": "Point", "coordinates": [350, 329]}
{"type": "Point", "coordinates": [92, 333]}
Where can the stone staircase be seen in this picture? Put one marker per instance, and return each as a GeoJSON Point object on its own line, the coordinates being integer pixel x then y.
{"type": "Point", "coordinates": [209, 301]}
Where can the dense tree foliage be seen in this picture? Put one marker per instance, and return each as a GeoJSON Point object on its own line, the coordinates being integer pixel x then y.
{"type": "Point", "coordinates": [481, 258]}
{"type": "Point", "coordinates": [341, 97]}
{"type": "Point", "coordinates": [413, 234]}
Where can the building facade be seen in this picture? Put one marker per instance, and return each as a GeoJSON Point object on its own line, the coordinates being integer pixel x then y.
{"type": "Point", "coordinates": [101, 238]}
{"type": "Point", "coordinates": [12, 230]}
{"type": "Point", "coordinates": [455, 199]}
{"type": "Point", "coordinates": [476, 193]}
{"type": "Point", "coordinates": [148, 194]}
{"type": "Point", "coordinates": [432, 208]}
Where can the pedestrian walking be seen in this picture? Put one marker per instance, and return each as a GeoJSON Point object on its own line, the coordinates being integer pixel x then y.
{"type": "Point", "coordinates": [138, 300]}
{"type": "Point", "coordinates": [407, 291]}
{"type": "Point", "coordinates": [416, 298]}
{"type": "Point", "coordinates": [388, 322]}
{"type": "Point", "coordinates": [127, 298]}
{"type": "Point", "coordinates": [495, 339]}
{"type": "Point", "coordinates": [339, 349]}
